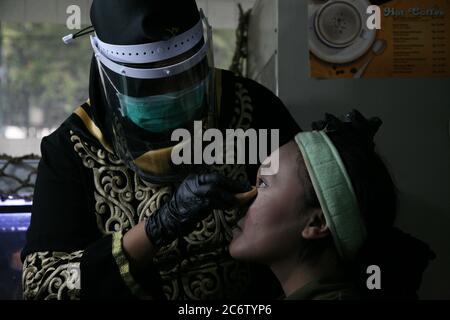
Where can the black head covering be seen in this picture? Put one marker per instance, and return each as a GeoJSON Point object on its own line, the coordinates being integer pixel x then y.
{"type": "Point", "coordinates": [132, 22]}
{"type": "Point", "coordinates": [401, 257]}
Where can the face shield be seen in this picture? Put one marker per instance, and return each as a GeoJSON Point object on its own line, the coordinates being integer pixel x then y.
{"type": "Point", "coordinates": [153, 89]}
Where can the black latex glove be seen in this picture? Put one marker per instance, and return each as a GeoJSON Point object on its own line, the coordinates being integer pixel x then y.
{"type": "Point", "coordinates": [191, 202]}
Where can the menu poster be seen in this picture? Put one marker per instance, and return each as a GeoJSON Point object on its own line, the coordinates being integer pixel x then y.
{"type": "Point", "coordinates": [413, 39]}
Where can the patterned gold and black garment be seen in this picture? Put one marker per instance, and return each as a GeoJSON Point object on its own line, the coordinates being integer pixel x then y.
{"type": "Point", "coordinates": [86, 199]}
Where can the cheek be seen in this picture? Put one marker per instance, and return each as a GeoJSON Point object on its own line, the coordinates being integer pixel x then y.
{"type": "Point", "coordinates": [271, 227]}
{"type": "Point", "coordinates": [272, 207]}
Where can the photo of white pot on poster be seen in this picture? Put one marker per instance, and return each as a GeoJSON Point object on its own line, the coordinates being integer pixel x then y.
{"type": "Point", "coordinates": [378, 39]}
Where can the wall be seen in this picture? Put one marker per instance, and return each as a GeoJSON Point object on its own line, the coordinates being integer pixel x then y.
{"type": "Point", "coordinates": [53, 11]}
{"type": "Point", "coordinates": [414, 139]}
{"type": "Point", "coordinates": [263, 37]}
{"type": "Point", "coordinates": [222, 14]}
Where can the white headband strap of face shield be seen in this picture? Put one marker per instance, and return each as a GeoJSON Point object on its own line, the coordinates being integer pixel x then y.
{"type": "Point", "coordinates": [154, 73]}
{"type": "Point", "coordinates": [155, 51]}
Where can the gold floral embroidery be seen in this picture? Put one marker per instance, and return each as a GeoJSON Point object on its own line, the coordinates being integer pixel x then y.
{"type": "Point", "coordinates": [52, 275]}
{"type": "Point", "coordinates": [243, 110]}
{"type": "Point", "coordinates": [118, 191]}
{"type": "Point", "coordinates": [195, 267]}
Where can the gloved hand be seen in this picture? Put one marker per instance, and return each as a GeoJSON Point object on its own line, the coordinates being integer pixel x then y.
{"type": "Point", "coordinates": [191, 202]}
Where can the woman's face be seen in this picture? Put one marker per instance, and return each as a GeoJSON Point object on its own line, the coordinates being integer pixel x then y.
{"type": "Point", "coordinates": [272, 227]}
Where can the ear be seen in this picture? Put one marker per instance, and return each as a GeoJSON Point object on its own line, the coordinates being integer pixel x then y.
{"type": "Point", "coordinates": [316, 225]}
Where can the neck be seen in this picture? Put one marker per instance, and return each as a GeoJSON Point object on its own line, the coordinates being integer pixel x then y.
{"type": "Point", "coordinates": [294, 274]}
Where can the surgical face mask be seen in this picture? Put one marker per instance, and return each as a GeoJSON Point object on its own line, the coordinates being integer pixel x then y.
{"type": "Point", "coordinates": [161, 113]}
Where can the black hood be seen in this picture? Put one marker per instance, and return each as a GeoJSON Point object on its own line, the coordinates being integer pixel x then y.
{"type": "Point", "coordinates": [133, 22]}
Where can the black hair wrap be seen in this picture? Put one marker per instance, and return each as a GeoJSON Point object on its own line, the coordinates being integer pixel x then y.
{"type": "Point", "coordinates": [353, 137]}
{"type": "Point", "coordinates": [401, 257]}
{"type": "Point", "coordinates": [135, 22]}
{"type": "Point", "coordinates": [354, 129]}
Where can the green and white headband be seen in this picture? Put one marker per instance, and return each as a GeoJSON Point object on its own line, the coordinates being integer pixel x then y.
{"type": "Point", "coordinates": [334, 191]}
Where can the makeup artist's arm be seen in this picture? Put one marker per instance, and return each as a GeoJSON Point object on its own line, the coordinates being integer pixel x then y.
{"type": "Point", "coordinates": [193, 201]}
